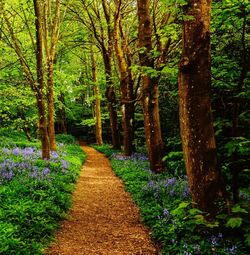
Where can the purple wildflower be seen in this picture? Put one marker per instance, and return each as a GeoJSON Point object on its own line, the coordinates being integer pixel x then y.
{"type": "Point", "coordinates": [54, 155]}
{"type": "Point", "coordinates": [46, 171]}
{"type": "Point", "coordinates": [5, 150]}
{"type": "Point", "coordinates": [166, 213]}
{"type": "Point", "coordinates": [150, 184]}
{"type": "Point", "coordinates": [16, 151]}
{"type": "Point", "coordinates": [65, 164]}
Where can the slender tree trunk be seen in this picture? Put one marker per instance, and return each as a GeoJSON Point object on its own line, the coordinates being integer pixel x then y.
{"type": "Point", "coordinates": [150, 91]}
{"type": "Point", "coordinates": [111, 98]}
{"type": "Point", "coordinates": [126, 86]}
{"type": "Point", "coordinates": [128, 110]}
{"type": "Point", "coordinates": [98, 117]}
{"type": "Point", "coordinates": [196, 122]}
{"type": "Point", "coordinates": [50, 36]}
{"type": "Point", "coordinates": [110, 90]}
{"type": "Point", "coordinates": [51, 107]}
{"type": "Point", "coordinates": [40, 83]}
{"type": "Point", "coordinates": [98, 125]}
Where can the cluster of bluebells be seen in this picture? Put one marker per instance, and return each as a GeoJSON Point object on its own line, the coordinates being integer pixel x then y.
{"type": "Point", "coordinates": [217, 241]}
{"type": "Point", "coordinates": [171, 187]}
{"type": "Point", "coordinates": [22, 161]}
{"type": "Point", "coordinates": [135, 156]}
{"type": "Point", "coordinates": [26, 153]}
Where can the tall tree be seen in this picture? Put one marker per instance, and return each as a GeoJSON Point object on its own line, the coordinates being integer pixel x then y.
{"type": "Point", "coordinates": [126, 81]}
{"type": "Point", "coordinates": [40, 81]}
{"type": "Point", "coordinates": [97, 110]}
{"type": "Point", "coordinates": [196, 122]}
{"type": "Point", "coordinates": [51, 28]}
{"type": "Point", "coordinates": [36, 83]}
{"type": "Point", "coordinates": [149, 90]}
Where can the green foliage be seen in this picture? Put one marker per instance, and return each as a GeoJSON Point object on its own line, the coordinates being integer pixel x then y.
{"type": "Point", "coordinates": [234, 222]}
{"type": "Point", "coordinates": [66, 139]}
{"type": "Point", "coordinates": [105, 148]}
{"type": "Point", "coordinates": [165, 205]}
{"type": "Point", "coordinates": [32, 205]}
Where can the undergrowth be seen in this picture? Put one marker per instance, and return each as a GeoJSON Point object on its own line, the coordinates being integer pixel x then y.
{"type": "Point", "coordinates": [35, 194]}
{"type": "Point", "coordinates": [165, 204]}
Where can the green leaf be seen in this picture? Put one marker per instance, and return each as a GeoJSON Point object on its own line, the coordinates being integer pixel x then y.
{"type": "Point", "coordinates": [194, 211]}
{"type": "Point", "coordinates": [180, 209]}
{"type": "Point", "coordinates": [234, 222]}
{"type": "Point", "coordinates": [238, 209]}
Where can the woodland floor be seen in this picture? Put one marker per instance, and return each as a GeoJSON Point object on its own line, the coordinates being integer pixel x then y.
{"type": "Point", "coordinates": [103, 219]}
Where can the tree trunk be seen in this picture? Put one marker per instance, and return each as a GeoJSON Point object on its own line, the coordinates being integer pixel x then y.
{"type": "Point", "coordinates": [110, 91]}
{"type": "Point", "coordinates": [98, 117]}
{"type": "Point", "coordinates": [40, 84]}
{"type": "Point", "coordinates": [149, 91]}
{"type": "Point", "coordinates": [98, 125]}
{"type": "Point", "coordinates": [196, 122]}
{"type": "Point", "coordinates": [128, 110]}
{"type": "Point", "coordinates": [51, 27]}
{"type": "Point", "coordinates": [111, 98]}
{"type": "Point", "coordinates": [126, 87]}
{"type": "Point", "coordinates": [51, 107]}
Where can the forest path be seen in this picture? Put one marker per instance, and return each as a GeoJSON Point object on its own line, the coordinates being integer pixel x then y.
{"type": "Point", "coordinates": [103, 219]}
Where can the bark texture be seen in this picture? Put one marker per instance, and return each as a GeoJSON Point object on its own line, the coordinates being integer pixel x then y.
{"type": "Point", "coordinates": [51, 27]}
{"type": "Point", "coordinates": [149, 91]}
{"type": "Point", "coordinates": [40, 83]}
{"type": "Point", "coordinates": [126, 86]}
{"type": "Point", "coordinates": [98, 117]}
{"type": "Point", "coordinates": [196, 122]}
{"type": "Point", "coordinates": [107, 51]}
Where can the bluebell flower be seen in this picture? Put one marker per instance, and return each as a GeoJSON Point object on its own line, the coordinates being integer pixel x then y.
{"type": "Point", "coordinates": [65, 164]}
{"type": "Point", "coordinates": [150, 184]}
{"type": "Point", "coordinates": [5, 150]}
{"type": "Point", "coordinates": [54, 155]}
{"type": "Point", "coordinates": [16, 151]}
{"type": "Point", "coordinates": [46, 171]}
{"type": "Point", "coordinates": [232, 250]}
{"type": "Point", "coordinates": [166, 213]}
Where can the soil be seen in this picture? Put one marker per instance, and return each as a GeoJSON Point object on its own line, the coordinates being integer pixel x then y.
{"type": "Point", "coordinates": [103, 219]}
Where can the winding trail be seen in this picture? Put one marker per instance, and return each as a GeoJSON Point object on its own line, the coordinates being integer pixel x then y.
{"type": "Point", "coordinates": [103, 220]}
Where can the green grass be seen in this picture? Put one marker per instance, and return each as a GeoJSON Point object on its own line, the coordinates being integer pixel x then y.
{"type": "Point", "coordinates": [32, 203]}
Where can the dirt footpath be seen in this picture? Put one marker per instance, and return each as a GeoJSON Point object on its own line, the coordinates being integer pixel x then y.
{"type": "Point", "coordinates": [103, 219]}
